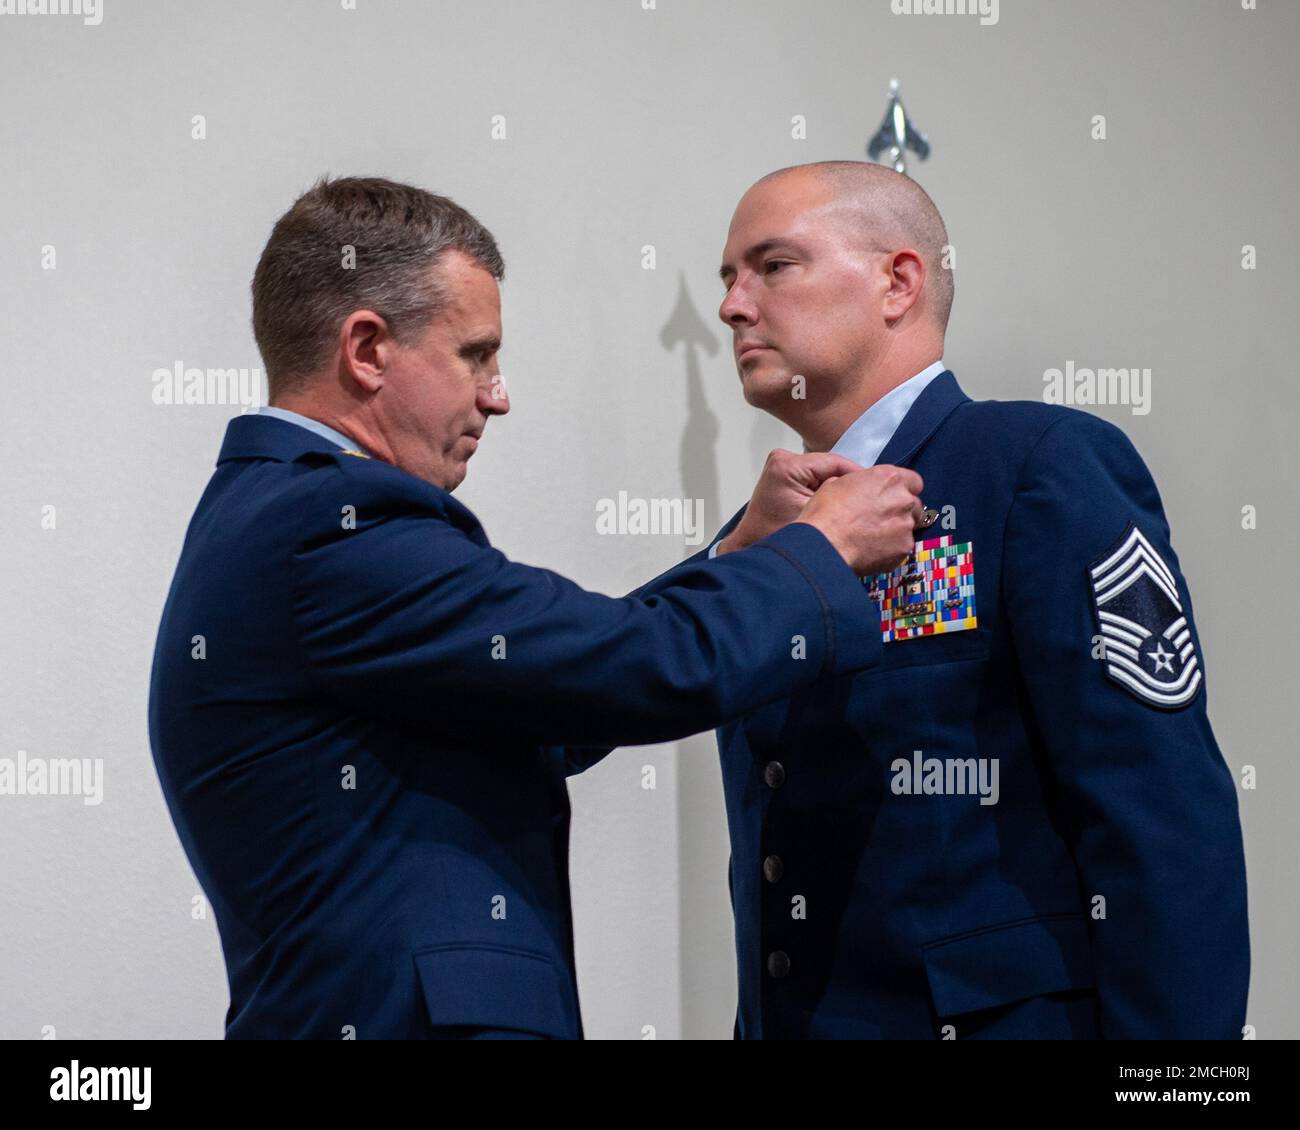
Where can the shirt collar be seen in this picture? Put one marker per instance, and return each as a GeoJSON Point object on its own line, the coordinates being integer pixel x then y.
{"type": "Point", "coordinates": [867, 436]}
{"type": "Point", "coordinates": [322, 430]}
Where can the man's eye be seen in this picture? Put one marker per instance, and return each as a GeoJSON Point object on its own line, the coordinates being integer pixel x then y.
{"type": "Point", "coordinates": [775, 263]}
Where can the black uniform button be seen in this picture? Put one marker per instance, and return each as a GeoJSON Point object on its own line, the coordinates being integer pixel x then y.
{"type": "Point", "coordinates": [774, 774]}
{"type": "Point", "coordinates": [778, 963]}
{"type": "Point", "coordinates": [773, 868]}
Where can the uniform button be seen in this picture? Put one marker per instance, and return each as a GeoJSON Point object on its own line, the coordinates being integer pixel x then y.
{"type": "Point", "coordinates": [774, 774]}
{"type": "Point", "coordinates": [773, 868]}
{"type": "Point", "coordinates": [778, 963]}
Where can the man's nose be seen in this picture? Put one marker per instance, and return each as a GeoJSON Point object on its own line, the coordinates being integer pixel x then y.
{"type": "Point", "coordinates": [738, 308]}
{"type": "Point", "coordinates": [493, 399]}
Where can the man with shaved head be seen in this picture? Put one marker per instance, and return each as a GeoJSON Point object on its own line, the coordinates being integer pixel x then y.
{"type": "Point", "coordinates": [1018, 824]}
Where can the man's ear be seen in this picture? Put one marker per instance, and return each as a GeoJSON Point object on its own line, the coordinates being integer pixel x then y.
{"type": "Point", "coordinates": [365, 348]}
{"type": "Point", "coordinates": [907, 283]}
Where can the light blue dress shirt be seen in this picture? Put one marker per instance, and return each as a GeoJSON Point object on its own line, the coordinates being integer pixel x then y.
{"type": "Point", "coordinates": [311, 425]}
{"type": "Point", "coordinates": [867, 436]}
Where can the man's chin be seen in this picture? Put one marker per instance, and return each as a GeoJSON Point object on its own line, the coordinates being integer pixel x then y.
{"type": "Point", "coordinates": [766, 390]}
{"type": "Point", "coordinates": [446, 476]}
{"type": "Point", "coordinates": [457, 476]}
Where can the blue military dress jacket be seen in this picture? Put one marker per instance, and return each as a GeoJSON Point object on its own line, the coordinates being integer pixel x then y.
{"type": "Point", "coordinates": [1103, 893]}
{"type": "Point", "coordinates": [362, 716]}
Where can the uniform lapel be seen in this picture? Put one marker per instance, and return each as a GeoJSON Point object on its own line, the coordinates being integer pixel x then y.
{"type": "Point", "coordinates": [931, 408]}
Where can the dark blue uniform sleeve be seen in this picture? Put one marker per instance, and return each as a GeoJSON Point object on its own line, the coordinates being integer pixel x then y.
{"type": "Point", "coordinates": [698, 558]}
{"type": "Point", "coordinates": [580, 759]}
{"type": "Point", "coordinates": [409, 617]}
{"type": "Point", "coordinates": [1107, 649]}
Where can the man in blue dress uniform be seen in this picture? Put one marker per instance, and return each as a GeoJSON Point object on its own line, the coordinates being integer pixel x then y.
{"type": "Point", "coordinates": [1017, 824]}
{"type": "Point", "coordinates": [359, 708]}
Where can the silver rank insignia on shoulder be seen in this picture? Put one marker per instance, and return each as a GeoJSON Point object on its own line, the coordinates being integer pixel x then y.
{"type": "Point", "coordinates": [931, 593]}
{"type": "Point", "coordinates": [1148, 644]}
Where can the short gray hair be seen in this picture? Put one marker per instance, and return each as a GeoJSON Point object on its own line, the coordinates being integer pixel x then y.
{"type": "Point", "coordinates": [303, 289]}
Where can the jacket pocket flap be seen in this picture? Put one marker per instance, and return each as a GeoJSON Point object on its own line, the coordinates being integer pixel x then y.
{"type": "Point", "coordinates": [1008, 963]}
{"type": "Point", "coordinates": [492, 987]}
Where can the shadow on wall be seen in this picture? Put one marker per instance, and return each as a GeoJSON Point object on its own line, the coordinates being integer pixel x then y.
{"type": "Point", "coordinates": [697, 455]}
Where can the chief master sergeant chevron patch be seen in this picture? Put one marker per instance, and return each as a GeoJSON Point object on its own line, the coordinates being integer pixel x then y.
{"type": "Point", "coordinates": [1149, 649]}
